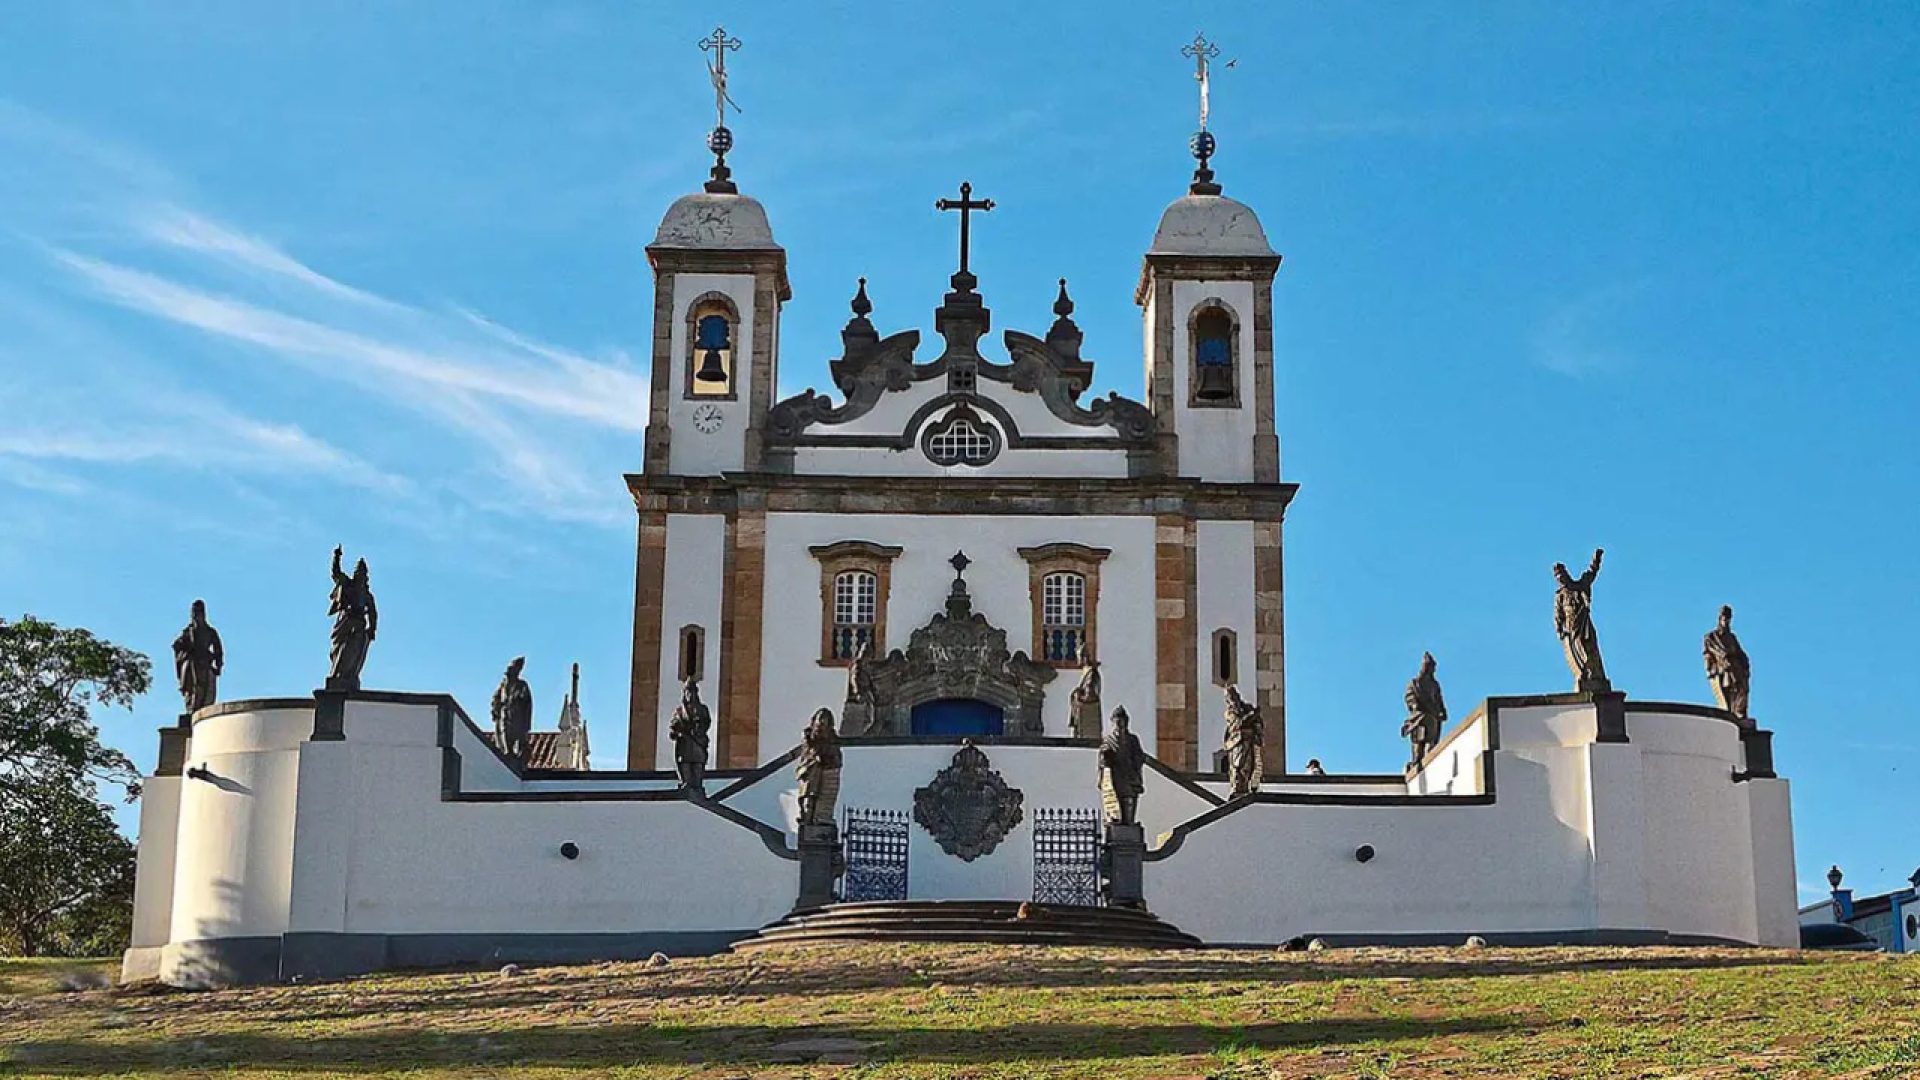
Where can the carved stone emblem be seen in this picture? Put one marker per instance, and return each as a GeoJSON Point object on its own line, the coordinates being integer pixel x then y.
{"type": "Point", "coordinates": [968, 809]}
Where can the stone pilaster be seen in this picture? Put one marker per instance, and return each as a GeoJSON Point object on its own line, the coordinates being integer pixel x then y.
{"type": "Point", "coordinates": [1266, 444]}
{"type": "Point", "coordinates": [659, 435]}
{"type": "Point", "coordinates": [1175, 685]}
{"type": "Point", "coordinates": [1269, 642]}
{"type": "Point", "coordinates": [1160, 382]}
{"type": "Point", "coordinates": [742, 600]}
{"type": "Point", "coordinates": [760, 381]}
{"type": "Point", "coordinates": [650, 576]}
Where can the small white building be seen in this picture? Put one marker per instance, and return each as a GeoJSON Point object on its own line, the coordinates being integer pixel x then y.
{"type": "Point", "coordinates": [345, 832]}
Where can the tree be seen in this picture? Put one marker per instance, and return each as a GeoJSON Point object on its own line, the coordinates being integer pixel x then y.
{"type": "Point", "coordinates": [50, 679]}
{"type": "Point", "coordinates": [66, 873]}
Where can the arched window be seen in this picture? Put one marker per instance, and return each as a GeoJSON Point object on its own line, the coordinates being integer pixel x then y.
{"type": "Point", "coordinates": [854, 576]}
{"type": "Point", "coordinates": [961, 438]}
{"type": "Point", "coordinates": [1226, 657]}
{"type": "Point", "coordinates": [1063, 616]}
{"type": "Point", "coordinates": [1064, 583]}
{"type": "Point", "coordinates": [856, 604]}
{"type": "Point", "coordinates": [712, 325]}
{"type": "Point", "coordinates": [693, 653]}
{"type": "Point", "coordinates": [1214, 375]}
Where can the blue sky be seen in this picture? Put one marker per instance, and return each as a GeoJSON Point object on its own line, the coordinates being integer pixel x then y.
{"type": "Point", "coordinates": [275, 277]}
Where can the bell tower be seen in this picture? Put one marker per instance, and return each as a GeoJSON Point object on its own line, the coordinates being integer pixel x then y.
{"type": "Point", "coordinates": [719, 282]}
{"type": "Point", "coordinates": [1206, 287]}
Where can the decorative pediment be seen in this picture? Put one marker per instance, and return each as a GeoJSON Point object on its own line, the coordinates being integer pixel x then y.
{"type": "Point", "coordinates": [871, 367]}
{"type": "Point", "coordinates": [957, 654]}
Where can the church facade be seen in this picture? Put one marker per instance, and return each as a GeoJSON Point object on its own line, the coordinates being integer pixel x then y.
{"type": "Point", "coordinates": [879, 634]}
{"type": "Point", "coordinates": [777, 537]}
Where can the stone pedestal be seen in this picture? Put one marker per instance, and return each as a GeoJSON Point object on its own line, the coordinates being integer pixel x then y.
{"type": "Point", "coordinates": [1610, 717]}
{"type": "Point", "coordinates": [1125, 853]}
{"type": "Point", "coordinates": [1758, 746]}
{"type": "Point", "coordinates": [329, 714]}
{"type": "Point", "coordinates": [820, 865]}
{"type": "Point", "coordinates": [173, 751]}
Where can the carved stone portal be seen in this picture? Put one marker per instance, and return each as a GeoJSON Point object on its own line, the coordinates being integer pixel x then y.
{"type": "Point", "coordinates": [968, 809]}
{"type": "Point", "coordinates": [959, 654]}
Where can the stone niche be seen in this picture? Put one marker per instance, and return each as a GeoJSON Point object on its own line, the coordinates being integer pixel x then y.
{"type": "Point", "coordinates": [959, 654]}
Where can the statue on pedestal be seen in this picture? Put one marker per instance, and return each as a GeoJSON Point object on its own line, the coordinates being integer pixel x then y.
{"type": "Point", "coordinates": [1573, 622]}
{"type": "Point", "coordinates": [1121, 779]}
{"type": "Point", "coordinates": [862, 698]}
{"type": "Point", "coordinates": [1246, 732]}
{"type": "Point", "coordinates": [197, 660]}
{"type": "Point", "coordinates": [513, 712]}
{"type": "Point", "coordinates": [1084, 703]}
{"type": "Point", "coordinates": [819, 770]}
{"type": "Point", "coordinates": [1728, 668]}
{"type": "Point", "coordinates": [1426, 712]}
{"type": "Point", "coordinates": [355, 624]}
{"type": "Point", "coordinates": [689, 727]}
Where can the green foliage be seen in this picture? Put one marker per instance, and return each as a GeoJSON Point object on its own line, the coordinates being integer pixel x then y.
{"type": "Point", "coordinates": [50, 680]}
{"type": "Point", "coordinates": [66, 873]}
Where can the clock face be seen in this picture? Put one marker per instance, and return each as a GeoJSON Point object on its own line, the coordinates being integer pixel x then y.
{"type": "Point", "coordinates": [707, 418]}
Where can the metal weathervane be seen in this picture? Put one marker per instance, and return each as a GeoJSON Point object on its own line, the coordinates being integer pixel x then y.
{"type": "Point", "coordinates": [719, 44]}
{"type": "Point", "coordinates": [1202, 52]}
{"type": "Point", "coordinates": [720, 140]}
{"type": "Point", "coordinates": [1202, 144]}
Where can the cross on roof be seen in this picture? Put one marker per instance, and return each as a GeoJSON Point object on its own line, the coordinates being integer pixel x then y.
{"type": "Point", "coordinates": [966, 204]}
{"type": "Point", "coordinates": [959, 562]}
{"type": "Point", "coordinates": [1202, 51]}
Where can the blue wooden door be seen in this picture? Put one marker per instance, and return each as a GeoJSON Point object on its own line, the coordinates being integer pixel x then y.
{"type": "Point", "coordinates": [957, 716]}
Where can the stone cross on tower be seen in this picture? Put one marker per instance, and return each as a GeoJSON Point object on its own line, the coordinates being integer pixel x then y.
{"type": "Point", "coordinates": [966, 204]}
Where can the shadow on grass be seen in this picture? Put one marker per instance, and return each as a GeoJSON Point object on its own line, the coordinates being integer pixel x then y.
{"type": "Point", "coordinates": [806, 976]}
{"type": "Point", "coordinates": [612, 1045]}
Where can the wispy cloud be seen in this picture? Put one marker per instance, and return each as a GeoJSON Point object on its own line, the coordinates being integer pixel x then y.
{"type": "Point", "coordinates": [1581, 337]}
{"type": "Point", "coordinates": [537, 420]}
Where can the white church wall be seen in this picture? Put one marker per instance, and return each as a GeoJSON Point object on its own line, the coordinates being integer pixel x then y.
{"type": "Point", "coordinates": [886, 777]}
{"type": "Point", "coordinates": [496, 867]}
{"type": "Point", "coordinates": [694, 578]}
{"type": "Point", "coordinates": [1511, 865]}
{"type": "Point", "coordinates": [1215, 444]}
{"type": "Point", "coordinates": [794, 682]}
{"type": "Point", "coordinates": [234, 860]}
{"type": "Point", "coordinates": [1223, 595]}
{"type": "Point", "coordinates": [1699, 846]}
{"type": "Point", "coordinates": [695, 452]}
{"type": "Point", "coordinates": [1775, 892]}
{"type": "Point", "coordinates": [153, 874]}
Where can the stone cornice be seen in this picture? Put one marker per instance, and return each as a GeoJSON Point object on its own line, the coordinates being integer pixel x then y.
{"type": "Point", "coordinates": [724, 261]}
{"type": "Point", "coordinates": [1255, 268]}
{"type": "Point", "coordinates": [1041, 496]}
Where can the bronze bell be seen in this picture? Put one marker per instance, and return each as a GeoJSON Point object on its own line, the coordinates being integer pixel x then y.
{"type": "Point", "coordinates": [711, 370]}
{"type": "Point", "coordinates": [1216, 382]}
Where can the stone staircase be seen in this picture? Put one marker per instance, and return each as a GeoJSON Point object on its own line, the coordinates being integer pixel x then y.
{"type": "Point", "coordinates": [983, 921]}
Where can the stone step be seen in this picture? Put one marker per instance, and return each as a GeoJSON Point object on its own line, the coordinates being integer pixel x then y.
{"type": "Point", "coordinates": [972, 921]}
{"type": "Point", "coordinates": [983, 935]}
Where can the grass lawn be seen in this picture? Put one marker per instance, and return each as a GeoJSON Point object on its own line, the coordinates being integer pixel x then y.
{"type": "Point", "coordinates": [982, 1011]}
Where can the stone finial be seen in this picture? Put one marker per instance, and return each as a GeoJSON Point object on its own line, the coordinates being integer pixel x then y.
{"type": "Point", "coordinates": [1064, 336]}
{"type": "Point", "coordinates": [858, 335]}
